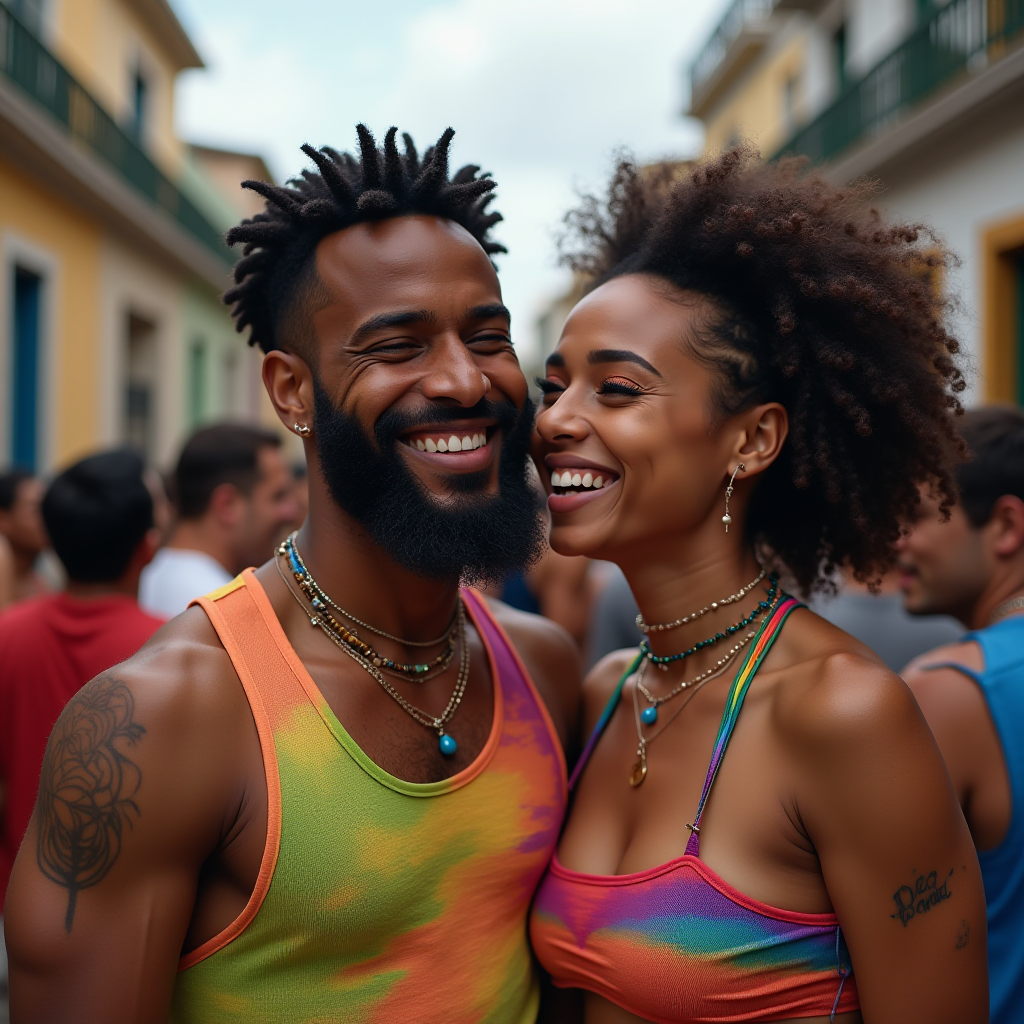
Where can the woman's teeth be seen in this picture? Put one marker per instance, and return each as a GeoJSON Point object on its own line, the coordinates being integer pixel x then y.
{"type": "Point", "coordinates": [454, 443]}
{"type": "Point", "coordinates": [574, 478]}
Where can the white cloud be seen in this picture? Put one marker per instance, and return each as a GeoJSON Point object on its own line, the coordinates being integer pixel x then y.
{"type": "Point", "coordinates": [540, 91]}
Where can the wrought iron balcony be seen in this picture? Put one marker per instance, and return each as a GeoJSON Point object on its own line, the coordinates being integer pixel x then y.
{"type": "Point", "coordinates": [26, 62]}
{"type": "Point", "coordinates": [963, 37]}
{"type": "Point", "coordinates": [739, 37]}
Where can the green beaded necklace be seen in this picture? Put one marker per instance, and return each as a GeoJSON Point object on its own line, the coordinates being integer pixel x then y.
{"type": "Point", "coordinates": [761, 607]}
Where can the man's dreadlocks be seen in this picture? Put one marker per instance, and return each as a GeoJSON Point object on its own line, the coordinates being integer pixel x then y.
{"type": "Point", "coordinates": [277, 264]}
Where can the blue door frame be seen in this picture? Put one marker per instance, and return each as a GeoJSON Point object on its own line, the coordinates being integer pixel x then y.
{"type": "Point", "coordinates": [24, 406]}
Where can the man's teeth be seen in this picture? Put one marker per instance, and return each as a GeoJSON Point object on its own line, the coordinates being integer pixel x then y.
{"type": "Point", "coordinates": [454, 443]}
{"type": "Point", "coordinates": [573, 478]}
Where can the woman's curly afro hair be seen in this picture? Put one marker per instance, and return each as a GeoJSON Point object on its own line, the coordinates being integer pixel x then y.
{"type": "Point", "coordinates": [279, 243]}
{"type": "Point", "coordinates": [814, 302]}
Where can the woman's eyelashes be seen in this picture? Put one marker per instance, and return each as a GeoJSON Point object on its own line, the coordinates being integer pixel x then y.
{"type": "Point", "coordinates": [548, 386]}
{"type": "Point", "coordinates": [609, 386]}
{"type": "Point", "coordinates": [619, 386]}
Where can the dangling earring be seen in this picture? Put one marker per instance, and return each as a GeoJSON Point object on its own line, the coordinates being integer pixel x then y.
{"type": "Point", "coordinates": [301, 429]}
{"type": "Point", "coordinates": [727, 519]}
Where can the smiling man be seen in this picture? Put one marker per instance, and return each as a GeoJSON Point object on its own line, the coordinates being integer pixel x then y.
{"type": "Point", "coordinates": [328, 791]}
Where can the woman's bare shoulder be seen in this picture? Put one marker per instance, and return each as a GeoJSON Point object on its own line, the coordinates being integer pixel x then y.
{"type": "Point", "coordinates": [832, 689]}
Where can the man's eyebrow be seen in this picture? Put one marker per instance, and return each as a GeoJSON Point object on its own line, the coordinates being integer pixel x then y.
{"type": "Point", "coordinates": [488, 311]}
{"type": "Point", "coordinates": [619, 355]}
{"type": "Point", "coordinates": [382, 321]}
{"type": "Point", "coordinates": [555, 359]}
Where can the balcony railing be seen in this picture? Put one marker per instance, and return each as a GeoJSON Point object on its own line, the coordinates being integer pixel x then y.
{"type": "Point", "coordinates": [741, 14]}
{"type": "Point", "coordinates": [962, 37]}
{"type": "Point", "coordinates": [27, 63]}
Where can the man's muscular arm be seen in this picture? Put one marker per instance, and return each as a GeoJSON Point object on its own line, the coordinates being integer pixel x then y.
{"type": "Point", "coordinates": [134, 795]}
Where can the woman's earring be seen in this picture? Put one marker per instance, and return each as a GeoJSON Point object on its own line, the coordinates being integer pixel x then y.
{"type": "Point", "coordinates": [301, 429]}
{"type": "Point", "coordinates": [727, 519]}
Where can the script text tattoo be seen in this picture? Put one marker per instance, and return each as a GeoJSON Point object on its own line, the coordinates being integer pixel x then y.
{"type": "Point", "coordinates": [925, 893]}
{"type": "Point", "coordinates": [87, 788]}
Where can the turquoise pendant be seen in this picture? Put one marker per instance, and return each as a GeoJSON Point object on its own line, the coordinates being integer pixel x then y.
{"type": "Point", "coordinates": [447, 744]}
{"type": "Point", "coordinates": [649, 715]}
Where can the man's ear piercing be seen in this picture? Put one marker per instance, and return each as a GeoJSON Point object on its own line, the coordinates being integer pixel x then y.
{"type": "Point", "coordinates": [301, 429]}
{"type": "Point", "coordinates": [727, 519]}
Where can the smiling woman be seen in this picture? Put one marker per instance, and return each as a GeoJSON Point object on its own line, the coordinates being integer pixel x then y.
{"type": "Point", "coordinates": [753, 390]}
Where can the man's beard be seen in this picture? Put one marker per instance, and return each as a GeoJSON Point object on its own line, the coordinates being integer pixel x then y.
{"type": "Point", "coordinates": [472, 536]}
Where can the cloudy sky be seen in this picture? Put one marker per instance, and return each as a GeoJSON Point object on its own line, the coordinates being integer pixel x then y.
{"type": "Point", "coordinates": [540, 92]}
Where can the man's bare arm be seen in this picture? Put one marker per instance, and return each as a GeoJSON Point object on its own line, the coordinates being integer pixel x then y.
{"type": "Point", "coordinates": [133, 794]}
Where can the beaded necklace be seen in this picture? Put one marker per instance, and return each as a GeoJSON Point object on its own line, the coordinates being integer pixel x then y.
{"type": "Point", "coordinates": [693, 616]}
{"type": "Point", "coordinates": [337, 633]}
{"type": "Point", "coordinates": [321, 602]}
{"type": "Point", "coordinates": [663, 661]}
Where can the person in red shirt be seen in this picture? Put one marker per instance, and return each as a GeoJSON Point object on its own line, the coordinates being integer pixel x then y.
{"type": "Point", "coordinates": [99, 514]}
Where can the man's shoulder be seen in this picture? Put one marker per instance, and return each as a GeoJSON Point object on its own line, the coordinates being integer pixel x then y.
{"type": "Point", "coordinates": [182, 667]}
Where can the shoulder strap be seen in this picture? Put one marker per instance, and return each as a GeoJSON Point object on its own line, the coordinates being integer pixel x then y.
{"type": "Point", "coordinates": [510, 667]}
{"type": "Point", "coordinates": [606, 715]}
{"type": "Point", "coordinates": [245, 622]}
{"type": "Point", "coordinates": [770, 629]}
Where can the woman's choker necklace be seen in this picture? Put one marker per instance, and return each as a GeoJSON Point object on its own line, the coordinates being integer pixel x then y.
{"type": "Point", "coordinates": [694, 616]}
{"type": "Point", "coordinates": [663, 661]}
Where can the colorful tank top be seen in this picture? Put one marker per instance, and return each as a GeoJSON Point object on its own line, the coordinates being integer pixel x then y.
{"type": "Point", "coordinates": [379, 900]}
{"type": "Point", "coordinates": [677, 942]}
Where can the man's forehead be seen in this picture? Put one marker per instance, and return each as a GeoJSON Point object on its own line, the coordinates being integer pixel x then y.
{"type": "Point", "coordinates": [406, 263]}
{"type": "Point", "coordinates": [399, 246]}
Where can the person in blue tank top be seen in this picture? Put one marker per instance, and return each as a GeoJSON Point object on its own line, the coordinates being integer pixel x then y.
{"type": "Point", "coordinates": [972, 692]}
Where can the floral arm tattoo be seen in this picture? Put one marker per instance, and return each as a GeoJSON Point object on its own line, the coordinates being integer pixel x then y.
{"type": "Point", "coordinates": [87, 788]}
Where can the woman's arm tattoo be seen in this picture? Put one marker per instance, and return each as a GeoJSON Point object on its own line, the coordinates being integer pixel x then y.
{"type": "Point", "coordinates": [87, 788]}
{"type": "Point", "coordinates": [926, 892]}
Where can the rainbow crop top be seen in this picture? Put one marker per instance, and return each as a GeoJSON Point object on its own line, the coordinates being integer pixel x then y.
{"type": "Point", "coordinates": [678, 943]}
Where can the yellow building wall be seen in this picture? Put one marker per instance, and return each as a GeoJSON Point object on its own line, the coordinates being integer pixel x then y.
{"type": "Point", "coordinates": [101, 41]}
{"type": "Point", "coordinates": [756, 108]}
{"type": "Point", "coordinates": [73, 243]}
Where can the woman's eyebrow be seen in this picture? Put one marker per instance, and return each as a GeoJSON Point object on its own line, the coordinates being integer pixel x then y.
{"type": "Point", "coordinates": [555, 359]}
{"type": "Point", "coordinates": [619, 355]}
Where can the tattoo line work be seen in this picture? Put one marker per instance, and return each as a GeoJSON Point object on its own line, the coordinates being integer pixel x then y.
{"type": "Point", "coordinates": [925, 893]}
{"type": "Point", "coordinates": [87, 788]}
{"type": "Point", "coordinates": [963, 934]}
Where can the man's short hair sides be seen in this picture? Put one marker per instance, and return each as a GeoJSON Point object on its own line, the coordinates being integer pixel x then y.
{"type": "Point", "coordinates": [995, 466]}
{"type": "Point", "coordinates": [226, 453]}
{"type": "Point", "coordinates": [96, 513]}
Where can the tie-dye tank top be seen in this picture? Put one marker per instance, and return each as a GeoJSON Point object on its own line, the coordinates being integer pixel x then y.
{"type": "Point", "coordinates": [379, 900]}
{"type": "Point", "coordinates": [678, 943]}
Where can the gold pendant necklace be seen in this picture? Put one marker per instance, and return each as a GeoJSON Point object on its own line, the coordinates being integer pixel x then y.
{"type": "Point", "coordinates": [638, 772]}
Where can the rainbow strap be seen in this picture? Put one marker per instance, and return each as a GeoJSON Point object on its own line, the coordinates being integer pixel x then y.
{"type": "Point", "coordinates": [765, 637]}
{"type": "Point", "coordinates": [770, 629]}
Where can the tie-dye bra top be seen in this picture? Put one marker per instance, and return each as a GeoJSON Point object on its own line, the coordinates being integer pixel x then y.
{"type": "Point", "coordinates": [380, 900]}
{"type": "Point", "coordinates": [678, 943]}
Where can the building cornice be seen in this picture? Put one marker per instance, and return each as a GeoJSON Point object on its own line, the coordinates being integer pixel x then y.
{"type": "Point", "coordinates": [160, 17]}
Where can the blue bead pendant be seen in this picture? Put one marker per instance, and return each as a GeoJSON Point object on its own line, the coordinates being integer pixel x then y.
{"type": "Point", "coordinates": [447, 744]}
{"type": "Point", "coordinates": [649, 715]}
